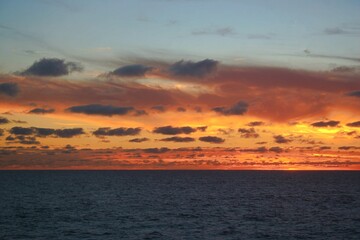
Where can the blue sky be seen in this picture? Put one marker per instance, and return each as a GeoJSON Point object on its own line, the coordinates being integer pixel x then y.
{"type": "Point", "coordinates": [234, 32]}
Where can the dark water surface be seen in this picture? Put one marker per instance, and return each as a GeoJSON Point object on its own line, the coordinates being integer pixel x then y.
{"type": "Point", "coordinates": [179, 205]}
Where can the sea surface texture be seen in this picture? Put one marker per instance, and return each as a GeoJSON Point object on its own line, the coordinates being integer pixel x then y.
{"type": "Point", "coordinates": [179, 205]}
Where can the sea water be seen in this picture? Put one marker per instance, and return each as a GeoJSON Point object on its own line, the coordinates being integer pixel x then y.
{"type": "Point", "coordinates": [179, 205]}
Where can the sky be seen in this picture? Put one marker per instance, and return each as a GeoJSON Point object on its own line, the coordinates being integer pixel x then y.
{"type": "Point", "coordinates": [180, 84]}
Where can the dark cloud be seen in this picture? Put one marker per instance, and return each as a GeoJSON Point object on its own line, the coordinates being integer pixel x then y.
{"type": "Point", "coordinates": [212, 139]}
{"type": "Point", "coordinates": [22, 139]}
{"type": "Point", "coordinates": [97, 109]}
{"type": "Point", "coordinates": [281, 139]}
{"type": "Point", "coordinates": [181, 109]}
{"type": "Point", "coordinates": [1, 132]}
{"type": "Point", "coordinates": [9, 89]}
{"type": "Point", "coordinates": [139, 140]}
{"type": "Point", "coordinates": [353, 124]}
{"type": "Point", "coordinates": [248, 133]}
{"type": "Point", "coordinates": [276, 149]}
{"type": "Point", "coordinates": [159, 108]}
{"type": "Point", "coordinates": [238, 109]}
{"type": "Point", "coordinates": [28, 140]}
{"type": "Point", "coordinates": [156, 150]}
{"type": "Point", "coordinates": [117, 132]}
{"type": "Point", "coordinates": [354, 94]}
{"type": "Point", "coordinates": [136, 70]}
{"type": "Point", "coordinates": [41, 111]}
{"type": "Point", "coordinates": [45, 132]}
{"type": "Point", "coordinates": [4, 120]}
{"type": "Point", "coordinates": [69, 132]}
{"type": "Point", "coordinates": [52, 67]}
{"type": "Point", "coordinates": [325, 124]}
{"type": "Point", "coordinates": [170, 130]}
{"type": "Point", "coordinates": [348, 148]}
{"type": "Point", "coordinates": [255, 124]}
{"type": "Point", "coordinates": [22, 131]}
{"type": "Point", "coordinates": [178, 139]}
{"type": "Point", "coordinates": [194, 69]}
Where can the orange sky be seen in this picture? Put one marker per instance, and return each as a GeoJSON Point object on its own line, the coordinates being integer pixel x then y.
{"type": "Point", "coordinates": [225, 118]}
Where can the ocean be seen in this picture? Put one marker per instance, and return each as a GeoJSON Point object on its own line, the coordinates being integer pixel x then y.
{"type": "Point", "coordinates": [179, 205]}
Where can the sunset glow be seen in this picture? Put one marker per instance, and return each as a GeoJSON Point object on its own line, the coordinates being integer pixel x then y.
{"type": "Point", "coordinates": [83, 86]}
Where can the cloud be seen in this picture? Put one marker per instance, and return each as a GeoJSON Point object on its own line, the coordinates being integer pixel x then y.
{"type": "Point", "coordinates": [178, 139]}
{"type": "Point", "coordinates": [139, 140]}
{"type": "Point", "coordinates": [9, 89]}
{"type": "Point", "coordinates": [348, 148]}
{"type": "Point", "coordinates": [281, 139]}
{"type": "Point", "coordinates": [41, 111]}
{"type": "Point", "coordinates": [212, 139]}
{"type": "Point", "coordinates": [69, 132]}
{"type": "Point", "coordinates": [117, 132]}
{"type": "Point", "coordinates": [156, 150]}
{"type": "Point", "coordinates": [354, 124]}
{"type": "Point", "coordinates": [255, 124]}
{"type": "Point", "coordinates": [238, 109]}
{"type": "Point", "coordinates": [202, 128]}
{"type": "Point", "coordinates": [248, 133]}
{"type": "Point", "coordinates": [181, 109]}
{"type": "Point", "coordinates": [276, 149]}
{"type": "Point", "coordinates": [194, 69]}
{"type": "Point", "coordinates": [44, 132]}
{"type": "Point", "coordinates": [97, 109]}
{"type": "Point", "coordinates": [344, 69]}
{"type": "Point", "coordinates": [325, 124]}
{"type": "Point", "coordinates": [1, 132]}
{"type": "Point", "coordinates": [354, 94]}
{"type": "Point", "coordinates": [52, 67]}
{"type": "Point", "coordinates": [159, 108]}
{"type": "Point", "coordinates": [4, 120]}
{"type": "Point", "coordinates": [170, 130]}
{"type": "Point", "coordinates": [136, 70]}
{"type": "Point", "coordinates": [335, 31]}
{"type": "Point", "coordinates": [27, 140]}
{"type": "Point", "coordinates": [224, 31]}
{"type": "Point", "coordinates": [21, 131]}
